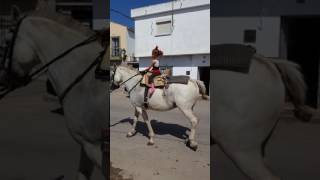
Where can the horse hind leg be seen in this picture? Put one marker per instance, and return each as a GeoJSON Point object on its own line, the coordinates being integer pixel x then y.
{"type": "Point", "coordinates": [151, 132]}
{"type": "Point", "coordinates": [133, 131]}
{"type": "Point", "coordinates": [192, 143]}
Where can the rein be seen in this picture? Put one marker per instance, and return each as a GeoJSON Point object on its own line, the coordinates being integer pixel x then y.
{"type": "Point", "coordinates": [29, 78]}
{"type": "Point", "coordinates": [135, 85]}
{"type": "Point", "coordinates": [129, 80]}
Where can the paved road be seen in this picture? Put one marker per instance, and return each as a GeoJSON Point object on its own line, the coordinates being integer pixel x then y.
{"type": "Point", "coordinates": [169, 158]}
{"type": "Point", "coordinates": [34, 143]}
{"type": "Point", "coordinates": [293, 153]}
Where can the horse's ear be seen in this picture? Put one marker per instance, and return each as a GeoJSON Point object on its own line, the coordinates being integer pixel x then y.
{"type": "Point", "coordinates": [114, 66]}
{"type": "Point", "coordinates": [15, 13]}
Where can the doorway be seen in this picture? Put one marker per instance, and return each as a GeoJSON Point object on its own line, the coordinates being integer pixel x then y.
{"type": "Point", "coordinates": [204, 75]}
{"type": "Point", "coordinates": [302, 36]}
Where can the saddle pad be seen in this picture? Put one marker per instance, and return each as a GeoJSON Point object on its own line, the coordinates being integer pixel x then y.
{"type": "Point", "coordinates": [233, 57]}
{"type": "Point", "coordinates": [178, 79]}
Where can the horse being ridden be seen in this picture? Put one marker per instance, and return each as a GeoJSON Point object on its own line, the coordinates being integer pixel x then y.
{"type": "Point", "coordinates": [182, 96]}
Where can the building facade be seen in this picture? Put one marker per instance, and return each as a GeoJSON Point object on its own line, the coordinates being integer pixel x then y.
{"type": "Point", "coordinates": [122, 43]}
{"type": "Point", "coordinates": [286, 29]}
{"type": "Point", "coordinates": [92, 13]}
{"type": "Point", "coordinates": [182, 30]}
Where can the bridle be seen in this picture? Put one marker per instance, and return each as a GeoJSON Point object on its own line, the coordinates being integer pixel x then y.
{"type": "Point", "coordinates": [120, 84]}
{"type": "Point", "coordinates": [6, 64]}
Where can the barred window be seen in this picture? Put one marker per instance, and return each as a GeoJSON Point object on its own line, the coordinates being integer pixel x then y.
{"type": "Point", "coordinates": [115, 45]}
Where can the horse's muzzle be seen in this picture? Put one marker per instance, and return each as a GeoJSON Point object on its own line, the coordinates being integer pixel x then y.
{"type": "Point", "coordinates": [114, 86]}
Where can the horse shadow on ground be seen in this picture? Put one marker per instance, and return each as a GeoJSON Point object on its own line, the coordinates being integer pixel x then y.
{"type": "Point", "coordinates": [160, 128]}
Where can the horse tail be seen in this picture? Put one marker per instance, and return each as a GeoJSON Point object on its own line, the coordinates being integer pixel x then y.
{"type": "Point", "coordinates": [296, 87]}
{"type": "Point", "coordinates": [202, 89]}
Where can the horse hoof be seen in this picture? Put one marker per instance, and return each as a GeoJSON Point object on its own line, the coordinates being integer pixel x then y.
{"type": "Point", "coordinates": [130, 134]}
{"type": "Point", "coordinates": [150, 143]}
{"type": "Point", "coordinates": [192, 145]}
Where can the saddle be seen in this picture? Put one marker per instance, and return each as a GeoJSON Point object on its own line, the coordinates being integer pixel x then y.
{"type": "Point", "coordinates": [232, 57]}
{"type": "Point", "coordinates": [160, 82]}
{"type": "Point", "coordinates": [164, 80]}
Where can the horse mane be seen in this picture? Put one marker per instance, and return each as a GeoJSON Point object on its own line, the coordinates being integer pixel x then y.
{"type": "Point", "coordinates": [64, 20]}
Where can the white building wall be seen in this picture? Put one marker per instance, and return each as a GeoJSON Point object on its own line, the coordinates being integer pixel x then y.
{"type": "Point", "coordinates": [190, 34]}
{"type": "Point", "coordinates": [180, 64]}
{"type": "Point", "coordinates": [131, 44]}
{"type": "Point", "coordinates": [230, 30]}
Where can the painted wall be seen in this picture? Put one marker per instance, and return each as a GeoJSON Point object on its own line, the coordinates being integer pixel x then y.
{"type": "Point", "coordinates": [191, 29]}
{"type": "Point", "coordinates": [120, 31]}
{"type": "Point", "coordinates": [127, 38]}
{"type": "Point", "coordinates": [180, 64]}
{"type": "Point", "coordinates": [265, 8]}
{"type": "Point", "coordinates": [231, 30]}
{"type": "Point", "coordinates": [130, 46]}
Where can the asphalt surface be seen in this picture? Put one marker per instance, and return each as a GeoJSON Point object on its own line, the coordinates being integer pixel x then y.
{"type": "Point", "coordinates": [169, 158]}
{"type": "Point", "coordinates": [34, 142]}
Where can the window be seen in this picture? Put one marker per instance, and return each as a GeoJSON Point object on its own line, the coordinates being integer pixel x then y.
{"type": "Point", "coordinates": [250, 36]}
{"type": "Point", "coordinates": [164, 27]}
{"type": "Point", "coordinates": [115, 45]}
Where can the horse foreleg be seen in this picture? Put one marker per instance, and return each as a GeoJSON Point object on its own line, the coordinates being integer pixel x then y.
{"type": "Point", "coordinates": [86, 167]}
{"type": "Point", "coordinates": [151, 132]}
{"type": "Point", "coordinates": [133, 131]}
{"type": "Point", "coordinates": [194, 122]}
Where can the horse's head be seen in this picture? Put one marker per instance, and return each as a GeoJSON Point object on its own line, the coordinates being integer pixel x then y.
{"type": "Point", "coordinates": [116, 77]}
{"type": "Point", "coordinates": [20, 55]}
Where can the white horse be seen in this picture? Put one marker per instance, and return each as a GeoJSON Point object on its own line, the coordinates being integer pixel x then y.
{"type": "Point", "coordinates": [246, 109]}
{"type": "Point", "coordinates": [183, 96]}
{"type": "Point", "coordinates": [42, 36]}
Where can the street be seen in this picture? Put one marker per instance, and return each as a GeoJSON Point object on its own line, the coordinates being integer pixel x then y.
{"type": "Point", "coordinates": [169, 158]}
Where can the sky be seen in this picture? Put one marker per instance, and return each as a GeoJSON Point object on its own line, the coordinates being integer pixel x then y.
{"type": "Point", "coordinates": [125, 6]}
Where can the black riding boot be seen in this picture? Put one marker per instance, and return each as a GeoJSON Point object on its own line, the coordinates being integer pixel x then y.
{"type": "Point", "coordinates": [146, 97]}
